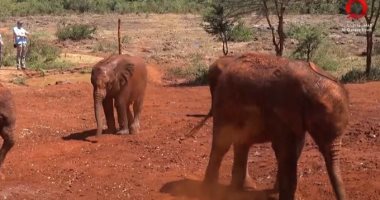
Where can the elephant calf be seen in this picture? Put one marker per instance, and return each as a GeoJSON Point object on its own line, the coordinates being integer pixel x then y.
{"type": "Point", "coordinates": [260, 98]}
{"type": "Point", "coordinates": [119, 80]}
{"type": "Point", "coordinates": [7, 121]}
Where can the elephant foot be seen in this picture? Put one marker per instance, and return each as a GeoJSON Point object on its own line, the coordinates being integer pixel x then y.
{"type": "Point", "coordinates": [249, 183]}
{"type": "Point", "coordinates": [123, 132]}
{"type": "Point", "coordinates": [135, 128]}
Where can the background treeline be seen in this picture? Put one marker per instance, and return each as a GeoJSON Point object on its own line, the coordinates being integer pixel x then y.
{"type": "Point", "coordinates": [40, 7]}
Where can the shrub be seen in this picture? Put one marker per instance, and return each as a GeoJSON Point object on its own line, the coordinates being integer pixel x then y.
{"type": "Point", "coordinates": [309, 38]}
{"type": "Point", "coordinates": [328, 56]}
{"type": "Point", "coordinates": [217, 23]}
{"type": "Point", "coordinates": [359, 76]}
{"type": "Point", "coordinates": [43, 55]}
{"type": "Point", "coordinates": [75, 32]}
{"type": "Point", "coordinates": [40, 54]}
{"type": "Point", "coordinates": [195, 74]}
{"type": "Point", "coordinates": [240, 33]}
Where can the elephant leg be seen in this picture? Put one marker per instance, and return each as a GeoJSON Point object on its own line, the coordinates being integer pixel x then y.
{"type": "Point", "coordinates": [137, 108]}
{"type": "Point", "coordinates": [109, 113]}
{"type": "Point", "coordinates": [220, 146]}
{"type": "Point", "coordinates": [7, 135]}
{"type": "Point", "coordinates": [239, 169]}
{"type": "Point", "coordinates": [130, 119]}
{"type": "Point", "coordinates": [121, 108]}
{"type": "Point", "coordinates": [300, 143]}
{"type": "Point", "coordinates": [286, 153]}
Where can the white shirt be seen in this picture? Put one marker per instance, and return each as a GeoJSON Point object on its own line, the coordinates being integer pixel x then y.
{"type": "Point", "coordinates": [1, 40]}
{"type": "Point", "coordinates": [20, 34]}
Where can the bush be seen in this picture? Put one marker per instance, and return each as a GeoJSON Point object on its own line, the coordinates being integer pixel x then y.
{"type": "Point", "coordinates": [309, 38]}
{"type": "Point", "coordinates": [328, 56]}
{"type": "Point", "coordinates": [241, 33]}
{"type": "Point", "coordinates": [75, 32]}
{"type": "Point", "coordinates": [359, 76]}
{"type": "Point", "coordinates": [195, 74]}
{"type": "Point", "coordinates": [43, 55]}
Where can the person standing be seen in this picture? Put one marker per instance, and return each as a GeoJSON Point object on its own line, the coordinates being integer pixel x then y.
{"type": "Point", "coordinates": [20, 36]}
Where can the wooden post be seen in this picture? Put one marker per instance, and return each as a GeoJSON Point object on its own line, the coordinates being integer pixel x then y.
{"type": "Point", "coordinates": [118, 35]}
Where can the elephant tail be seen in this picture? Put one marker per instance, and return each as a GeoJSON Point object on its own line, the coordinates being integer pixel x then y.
{"type": "Point", "coordinates": [200, 124]}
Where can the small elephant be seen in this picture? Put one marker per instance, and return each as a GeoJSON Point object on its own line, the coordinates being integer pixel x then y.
{"type": "Point", "coordinates": [7, 121]}
{"type": "Point", "coordinates": [119, 80]}
{"type": "Point", "coordinates": [262, 98]}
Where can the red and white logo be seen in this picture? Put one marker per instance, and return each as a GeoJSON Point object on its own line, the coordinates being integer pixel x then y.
{"type": "Point", "coordinates": [351, 14]}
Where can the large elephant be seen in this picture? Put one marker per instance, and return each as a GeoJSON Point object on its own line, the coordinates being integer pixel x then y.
{"type": "Point", "coordinates": [7, 121]}
{"type": "Point", "coordinates": [119, 80]}
{"type": "Point", "coordinates": [262, 98]}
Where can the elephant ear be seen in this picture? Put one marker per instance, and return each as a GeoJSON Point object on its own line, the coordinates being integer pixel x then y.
{"type": "Point", "coordinates": [123, 73]}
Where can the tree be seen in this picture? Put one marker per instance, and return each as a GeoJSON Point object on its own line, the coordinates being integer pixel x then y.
{"type": "Point", "coordinates": [371, 18]}
{"type": "Point", "coordinates": [264, 8]}
{"type": "Point", "coordinates": [279, 8]}
{"type": "Point", "coordinates": [309, 37]}
{"type": "Point", "coordinates": [219, 23]}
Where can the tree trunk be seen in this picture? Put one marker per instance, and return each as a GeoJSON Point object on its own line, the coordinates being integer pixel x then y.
{"type": "Point", "coordinates": [281, 35]}
{"type": "Point", "coordinates": [369, 52]}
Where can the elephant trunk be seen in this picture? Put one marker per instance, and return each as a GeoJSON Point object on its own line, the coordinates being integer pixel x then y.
{"type": "Point", "coordinates": [98, 106]}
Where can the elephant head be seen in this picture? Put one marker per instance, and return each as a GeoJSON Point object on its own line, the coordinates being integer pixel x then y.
{"type": "Point", "coordinates": [108, 77]}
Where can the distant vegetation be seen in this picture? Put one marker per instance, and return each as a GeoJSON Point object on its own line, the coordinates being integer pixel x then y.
{"type": "Point", "coordinates": [75, 32]}
{"type": "Point", "coordinates": [38, 7]}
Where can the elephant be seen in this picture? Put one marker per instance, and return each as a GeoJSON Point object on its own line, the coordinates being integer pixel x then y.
{"type": "Point", "coordinates": [263, 98]}
{"type": "Point", "coordinates": [7, 122]}
{"type": "Point", "coordinates": [120, 81]}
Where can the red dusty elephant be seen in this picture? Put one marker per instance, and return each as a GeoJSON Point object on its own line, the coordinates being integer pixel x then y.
{"type": "Point", "coordinates": [120, 81]}
{"type": "Point", "coordinates": [7, 121]}
{"type": "Point", "coordinates": [262, 98]}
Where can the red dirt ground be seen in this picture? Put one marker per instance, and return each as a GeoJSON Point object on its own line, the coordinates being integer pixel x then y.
{"type": "Point", "coordinates": [57, 156]}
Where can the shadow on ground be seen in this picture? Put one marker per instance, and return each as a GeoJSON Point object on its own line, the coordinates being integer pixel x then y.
{"type": "Point", "coordinates": [196, 115]}
{"type": "Point", "coordinates": [194, 189]}
{"type": "Point", "coordinates": [83, 136]}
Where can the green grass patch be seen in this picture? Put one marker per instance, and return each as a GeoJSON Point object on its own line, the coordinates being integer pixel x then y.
{"type": "Point", "coordinates": [359, 76]}
{"type": "Point", "coordinates": [75, 32]}
{"type": "Point", "coordinates": [241, 33]}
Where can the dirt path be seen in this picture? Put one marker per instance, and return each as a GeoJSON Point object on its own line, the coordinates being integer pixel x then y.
{"type": "Point", "coordinates": [57, 156]}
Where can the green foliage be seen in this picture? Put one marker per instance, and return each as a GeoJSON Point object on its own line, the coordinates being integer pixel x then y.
{"type": "Point", "coordinates": [43, 55]}
{"type": "Point", "coordinates": [359, 76]}
{"type": "Point", "coordinates": [195, 74]}
{"type": "Point", "coordinates": [38, 7]}
{"type": "Point", "coordinates": [217, 23]}
{"type": "Point", "coordinates": [75, 32]}
{"type": "Point", "coordinates": [241, 33]}
{"type": "Point", "coordinates": [309, 38]}
{"type": "Point", "coordinates": [40, 54]}
{"type": "Point", "coordinates": [328, 56]}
